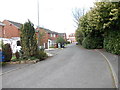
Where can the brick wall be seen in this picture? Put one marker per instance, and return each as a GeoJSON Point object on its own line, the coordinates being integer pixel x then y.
{"type": "Point", "coordinates": [1, 31]}
{"type": "Point", "coordinates": [10, 30]}
{"type": "Point", "coordinates": [43, 36]}
{"type": "Point", "coordinates": [53, 37]}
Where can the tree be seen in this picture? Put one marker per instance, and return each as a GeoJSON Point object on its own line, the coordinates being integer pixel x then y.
{"type": "Point", "coordinates": [77, 13]}
{"type": "Point", "coordinates": [28, 40]}
{"type": "Point", "coordinates": [60, 40]}
{"type": "Point", "coordinates": [41, 38]}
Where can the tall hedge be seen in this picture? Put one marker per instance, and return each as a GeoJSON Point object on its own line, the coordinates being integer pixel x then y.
{"type": "Point", "coordinates": [104, 21]}
{"type": "Point", "coordinates": [79, 36]}
{"type": "Point", "coordinates": [92, 42]}
{"type": "Point", "coordinates": [112, 42]}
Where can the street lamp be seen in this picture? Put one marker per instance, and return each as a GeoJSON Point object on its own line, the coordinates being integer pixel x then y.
{"type": "Point", "coordinates": [38, 24]}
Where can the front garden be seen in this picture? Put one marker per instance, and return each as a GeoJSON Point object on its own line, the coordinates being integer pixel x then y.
{"type": "Point", "coordinates": [29, 53]}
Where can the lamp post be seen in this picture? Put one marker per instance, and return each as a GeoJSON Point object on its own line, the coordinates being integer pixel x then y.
{"type": "Point", "coordinates": [38, 24]}
{"type": "Point", "coordinates": [38, 11]}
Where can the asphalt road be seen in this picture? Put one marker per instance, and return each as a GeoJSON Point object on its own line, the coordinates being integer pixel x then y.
{"type": "Point", "coordinates": [73, 67]}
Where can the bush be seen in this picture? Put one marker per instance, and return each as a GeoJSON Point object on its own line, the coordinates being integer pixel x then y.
{"type": "Point", "coordinates": [7, 52]}
{"type": "Point", "coordinates": [17, 55]}
{"type": "Point", "coordinates": [67, 42]}
{"type": "Point", "coordinates": [92, 42]}
{"type": "Point", "coordinates": [52, 47]}
{"type": "Point", "coordinates": [112, 42]}
{"type": "Point", "coordinates": [41, 55]}
{"type": "Point", "coordinates": [32, 58]}
{"type": "Point", "coordinates": [79, 36]}
{"type": "Point", "coordinates": [60, 40]}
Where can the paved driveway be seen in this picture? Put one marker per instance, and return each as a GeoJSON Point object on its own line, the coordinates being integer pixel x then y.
{"type": "Point", "coordinates": [72, 67]}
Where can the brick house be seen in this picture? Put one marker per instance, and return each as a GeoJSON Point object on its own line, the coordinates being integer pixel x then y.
{"type": "Point", "coordinates": [1, 33]}
{"type": "Point", "coordinates": [48, 37]}
{"type": "Point", "coordinates": [11, 34]}
{"type": "Point", "coordinates": [71, 37]}
{"type": "Point", "coordinates": [11, 29]}
{"type": "Point", "coordinates": [1, 29]}
{"type": "Point", "coordinates": [63, 35]}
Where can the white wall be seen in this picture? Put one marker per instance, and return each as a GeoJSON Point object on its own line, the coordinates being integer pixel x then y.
{"type": "Point", "coordinates": [12, 42]}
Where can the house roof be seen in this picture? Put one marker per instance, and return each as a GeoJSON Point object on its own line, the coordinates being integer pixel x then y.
{"type": "Point", "coordinates": [16, 24]}
{"type": "Point", "coordinates": [49, 31]}
{"type": "Point", "coordinates": [62, 34]}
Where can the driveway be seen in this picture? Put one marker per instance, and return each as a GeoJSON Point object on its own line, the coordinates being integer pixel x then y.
{"type": "Point", "coordinates": [72, 67]}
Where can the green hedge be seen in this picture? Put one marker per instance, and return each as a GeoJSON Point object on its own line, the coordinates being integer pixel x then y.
{"type": "Point", "coordinates": [112, 42]}
{"type": "Point", "coordinates": [79, 36]}
{"type": "Point", "coordinates": [92, 42]}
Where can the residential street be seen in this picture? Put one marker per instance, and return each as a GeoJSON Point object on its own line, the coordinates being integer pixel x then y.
{"type": "Point", "coordinates": [72, 67]}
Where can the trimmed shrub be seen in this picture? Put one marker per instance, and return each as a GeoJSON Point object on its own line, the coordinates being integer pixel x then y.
{"type": "Point", "coordinates": [112, 42]}
{"type": "Point", "coordinates": [92, 42]}
{"type": "Point", "coordinates": [41, 55]}
{"type": "Point", "coordinates": [17, 55]}
{"type": "Point", "coordinates": [7, 52]}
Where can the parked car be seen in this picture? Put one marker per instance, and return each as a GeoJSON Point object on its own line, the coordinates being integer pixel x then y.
{"type": "Point", "coordinates": [76, 43]}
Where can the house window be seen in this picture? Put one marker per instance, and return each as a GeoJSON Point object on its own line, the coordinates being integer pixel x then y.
{"type": "Point", "coordinates": [51, 35]}
{"type": "Point", "coordinates": [54, 35]}
{"type": "Point", "coordinates": [18, 43]}
{"type": "Point", "coordinates": [3, 31]}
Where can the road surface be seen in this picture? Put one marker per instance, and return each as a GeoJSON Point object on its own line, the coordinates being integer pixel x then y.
{"type": "Point", "coordinates": [72, 67]}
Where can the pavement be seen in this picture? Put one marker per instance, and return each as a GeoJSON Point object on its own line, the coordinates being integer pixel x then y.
{"type": "Point", "coordinates": [113, 59]}
{"type": "Point", "coordinates": [53, 51]}
{"type": "Point", "coordinates": [72, 67]}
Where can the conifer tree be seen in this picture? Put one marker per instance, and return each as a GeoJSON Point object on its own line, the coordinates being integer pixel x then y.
{"type": "Point", "coordinates": [28, 40]}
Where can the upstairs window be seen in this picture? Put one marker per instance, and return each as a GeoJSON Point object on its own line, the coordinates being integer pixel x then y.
{"type": "Point", "coordinates": [51, 35]}
{"type": "Point", "coordinates": [54, 35]}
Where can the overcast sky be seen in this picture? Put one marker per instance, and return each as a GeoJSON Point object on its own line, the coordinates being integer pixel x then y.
{"type": "Point", "coordinates": [55, 15]}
